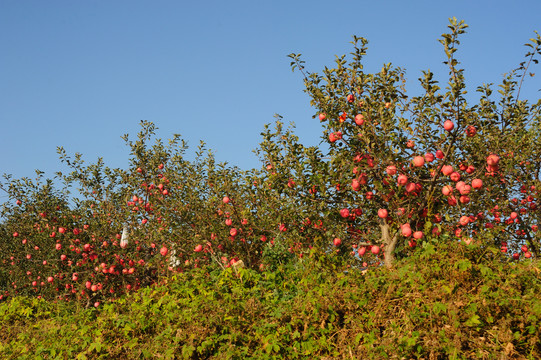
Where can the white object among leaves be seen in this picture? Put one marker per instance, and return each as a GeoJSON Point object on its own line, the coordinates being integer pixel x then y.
{"type": "Point", "coordinates": [125, 237]}
{"type": "Point", "coordinates": [174, 261]}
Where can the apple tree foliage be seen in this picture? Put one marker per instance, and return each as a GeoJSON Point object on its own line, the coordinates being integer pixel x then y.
{"type": "Point", "coordinates": [396, 172]}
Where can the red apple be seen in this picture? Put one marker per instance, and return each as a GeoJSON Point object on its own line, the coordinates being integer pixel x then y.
{"type": "Point", "coordinates": [335, 136]}
{"type": "Point", "coordinates": [446, 190]}
{"type": "Point", "coordinates": [477, 183]}
{"type": "Point", "coordinates": [410, 187]}
{"type": "Point", "coordinates": [471, 131]}
{"type": "Point", "coordinates": [493, 160]}
{"type": "Point", "coordinates": [383, 213]}
{"type": "Point", "coordinates": [359, 119]}
{"type": "Point", "coordinates": [337, 241]}
{"type": "Point", "coordinates": [447, 170]}
{"type": "Point", "coordinates": [402, 179]}
{"type": "Point", "coordinates": [356, 185]}
{"type": "Point", "coordinates": [465, 190]}
{"type": "Point", "coordinates": [391, 170]}
{"type": "Point", "coordinates": [198, 248]}
{"type": "Point", "coordinates": [332, 137]}
{"type": "Point", "coordinates": [164, 251]}
{"type": "Point", "coordinates": [429, 157]}
{"type": "Point", "coordinates": [322, 116]}
{"type": "Point", "coordinates": [406, 230]}
{"type": "Point", "coordinates": [418, 161]}
{"type": "Point", "coordinates": [448, 125]}
{"type": "Point", "coordinates": [454, 176]}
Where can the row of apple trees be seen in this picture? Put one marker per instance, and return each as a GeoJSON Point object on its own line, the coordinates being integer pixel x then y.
{"type": "Point", "coordinates": [393, 173]}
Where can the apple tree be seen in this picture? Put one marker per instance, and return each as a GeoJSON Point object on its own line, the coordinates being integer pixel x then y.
{"type": "Point", "coordinates": [422, 166]}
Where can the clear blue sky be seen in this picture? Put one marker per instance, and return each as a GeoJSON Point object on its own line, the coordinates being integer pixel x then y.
{"type": "Point", "coordinates": [80, 74]}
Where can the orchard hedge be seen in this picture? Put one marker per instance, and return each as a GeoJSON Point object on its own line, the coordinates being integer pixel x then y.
{"type": "Point", "coordinates": [457, 302]}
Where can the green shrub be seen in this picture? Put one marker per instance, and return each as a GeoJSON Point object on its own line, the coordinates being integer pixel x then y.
{"type": "Point", "coordinates": [457, 302]}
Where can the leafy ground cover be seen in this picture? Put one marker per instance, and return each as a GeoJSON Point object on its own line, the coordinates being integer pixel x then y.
{"type": "Point", "coordinates": [457, 301]}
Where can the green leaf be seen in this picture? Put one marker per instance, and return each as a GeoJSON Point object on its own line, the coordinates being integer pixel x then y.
{"type": "Point", "coordinates": [439, 307]}
{"type": "Point", "coordinates": [473, 321]}
{"type": "Point", "coordinates": [463, 264]}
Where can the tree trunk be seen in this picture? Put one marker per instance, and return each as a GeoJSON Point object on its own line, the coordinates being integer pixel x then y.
{"type": "Point", "coordinates": [390, 244]}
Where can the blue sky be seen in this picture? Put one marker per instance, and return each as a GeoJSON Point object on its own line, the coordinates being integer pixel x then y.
{"type": "Point", "coordinates": [80, 74]}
